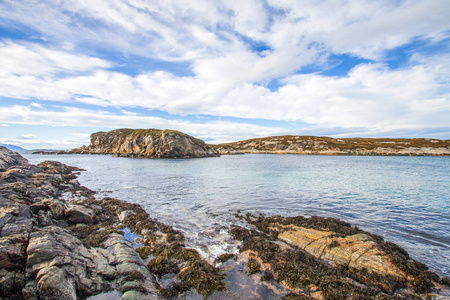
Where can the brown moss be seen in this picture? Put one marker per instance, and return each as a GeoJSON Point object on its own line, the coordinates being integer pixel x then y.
{"type": "Point", "coordinates": [144, 251]}
{"type": "Point", "coordinates": [292, 296]}
{"type": "Point", "coordinates": [174, 290]}
{"type": "Point", "coordinates": [205, 278]}
{"type": "Point", "coordinates": [94, 235]}
{"type": "Point", "coordinates": [267, 276]}
{"type": "Point", "coordinates": [445, 281]}
{"type": "Point", "coordinates": [176, 251]}
{"type": "Point", "coordinates": [422, 281]}
{"type": "Point", "coordinates": [299, 269]}
{"type": "Point", "coordinates": [225, 257]}
{"type": "Point", "coordinates": [253, 266]}
{"type": "Point", "coordinates": [162, 266]}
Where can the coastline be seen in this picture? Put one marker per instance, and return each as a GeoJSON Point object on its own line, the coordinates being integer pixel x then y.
{"type": "Point", "coordinates": [96, 226]}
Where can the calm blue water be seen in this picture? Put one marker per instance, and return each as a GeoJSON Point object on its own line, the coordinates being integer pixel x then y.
{"type": "Point", "coordinates": [404, 199]}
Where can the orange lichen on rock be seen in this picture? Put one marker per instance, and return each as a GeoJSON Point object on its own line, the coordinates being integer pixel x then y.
{"type": "Point", "coordinates": [357, 251]}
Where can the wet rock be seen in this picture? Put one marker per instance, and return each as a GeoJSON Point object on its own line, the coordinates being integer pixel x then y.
{"type": "Point", "coordinates": [76, 214]}
{"type": "Point", "coordinates": [57, 207]}
{"type": "Point", "coordinates": [39, 258]}
{"type": "Point", "coordinates": [356, 251]}
{"type": "Point", "coordinates": [311, 260]}
{"type": "Point", "coordinates": [54, 284]}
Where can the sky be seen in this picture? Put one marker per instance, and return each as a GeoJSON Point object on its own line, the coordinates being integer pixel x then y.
{"type": "Point", "coordinates": [223, 70]}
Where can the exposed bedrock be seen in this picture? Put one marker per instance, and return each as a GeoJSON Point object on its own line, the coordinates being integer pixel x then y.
{"type": "Point", "coordinates": [40, 257]}
{"type": "Point", "coordinates": [149, 143]}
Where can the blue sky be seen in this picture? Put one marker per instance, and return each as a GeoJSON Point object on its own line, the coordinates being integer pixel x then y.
{"type": "Point", "coordinates": [223, 70]}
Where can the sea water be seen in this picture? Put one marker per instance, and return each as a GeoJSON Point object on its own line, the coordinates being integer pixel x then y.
{"type": "Point", "coordinates": [404, 199]}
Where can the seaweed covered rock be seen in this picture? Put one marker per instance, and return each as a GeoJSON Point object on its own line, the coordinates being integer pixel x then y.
{"type": "Point", "coordinates": [312, 260]}
{"type": "Point", "coordinates": [167, 255]}
{"type": "Point", "coordinates": [150, 143]}
{"type": "Point", "coordinates": [358, 251]}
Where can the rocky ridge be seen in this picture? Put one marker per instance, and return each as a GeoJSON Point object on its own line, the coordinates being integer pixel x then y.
{"type": "Point", "coordinates": [148, 143]}
{"type": "Point", "coordinates": [343, 146]}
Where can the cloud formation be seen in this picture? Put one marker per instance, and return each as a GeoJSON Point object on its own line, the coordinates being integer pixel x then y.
{"type": "Point", "coordinates": [244, 59]}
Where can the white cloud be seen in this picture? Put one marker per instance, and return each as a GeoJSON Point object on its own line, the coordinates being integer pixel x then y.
{"type": "Point", "coordinates": [35, 104]}
{"type": "Point", "coordinates": [371, 96]}
{"type": "Point", "coordinates": [217, 131]}
{"type": "Point", "coordinates": [190, 30]}
{"type": "Point", "coordinates": [217, 38]}
{"type": "Point", "coordinates": [32, 59]}
{"type": "Point", "coordinates": [361, 27]}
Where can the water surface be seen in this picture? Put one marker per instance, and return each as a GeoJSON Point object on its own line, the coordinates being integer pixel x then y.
{"type": "Point", "coordinates": [404, 199]}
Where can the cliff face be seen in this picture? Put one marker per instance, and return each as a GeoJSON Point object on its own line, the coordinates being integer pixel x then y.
{"type": "Point", "coordinates": [151, 143]}
{"type": "Point", "coordinates": [330, 146]}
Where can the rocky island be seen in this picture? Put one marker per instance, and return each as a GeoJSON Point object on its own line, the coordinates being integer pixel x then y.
{"type": "Point", "coordinates": [290, 144]}
{"type": "Point", "coordinates": [145, 143]}
{"type": "Point", "coordinates": [58, 241]}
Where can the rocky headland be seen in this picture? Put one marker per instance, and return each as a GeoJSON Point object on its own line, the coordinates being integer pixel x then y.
{"type": "Point", "coordinates": [58, 241]}
{"type": "Point", "coordinates": [342, 146]}
{"type": "Point", "coordinates": [145, 143]}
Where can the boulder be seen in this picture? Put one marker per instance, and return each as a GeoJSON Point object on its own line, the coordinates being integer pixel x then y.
{"type": "Point", "coordinates": [57, 207]}
{"type": "Point", "coordinates": [76, 214]}
{"type": "Point", "coordinates": [10, 158]}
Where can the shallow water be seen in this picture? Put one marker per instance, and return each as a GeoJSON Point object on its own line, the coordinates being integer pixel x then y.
{"type": "Point", "coordinates": [404, 199]}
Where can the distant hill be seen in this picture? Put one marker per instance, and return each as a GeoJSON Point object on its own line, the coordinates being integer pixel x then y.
{"type": "Point", "coordinates": [13, 147]}
{"type": "Point", "coordinates": [150, 143]}
{"type": "Point", "coordinates": [290, 144]}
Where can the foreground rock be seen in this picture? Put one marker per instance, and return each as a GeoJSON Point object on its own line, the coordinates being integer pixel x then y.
{"type": "Point", "coordinates": [324, 258]}
{"type": "Point", "coordinates": [344, 146]}
{"type": "Point", "coordinates": [149, 143]}
{"type": "Point", "coordinates": [40, 258]}
{"type": "Point", "coordinates": [58, 242]}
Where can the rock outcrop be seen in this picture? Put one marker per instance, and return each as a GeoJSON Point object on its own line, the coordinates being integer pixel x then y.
{"type": "Point", "coordinates": [40, 257]}
{"type": "Point", "coordinates": [355, 251]}
{"type": "Point", "coordinates": [58, 242]}
{"type": "Point", "coordinates": [344, 146]}
{"type": "Point", "coordinates": [325, 258]}
{"type": "Point", "coordinates": [149, 143]}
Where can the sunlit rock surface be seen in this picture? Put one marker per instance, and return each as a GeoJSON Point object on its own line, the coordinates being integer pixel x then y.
{"type": "Point", "coordinates": [149, 143]}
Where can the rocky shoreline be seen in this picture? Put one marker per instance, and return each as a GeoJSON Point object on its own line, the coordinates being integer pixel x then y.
{"type": "Point", "coordinates": [316, 145]}
{"type": "Point", "coordinates": [59, 242]}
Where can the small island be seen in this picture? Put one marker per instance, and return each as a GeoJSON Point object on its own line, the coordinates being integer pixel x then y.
{"type": "Point", "coordinates": [144, 143]}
